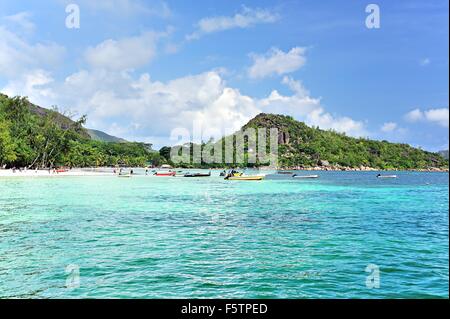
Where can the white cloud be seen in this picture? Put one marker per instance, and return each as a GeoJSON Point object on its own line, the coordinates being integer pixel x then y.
{"type": "Point", "coordinates": [305, 108]}
{"type": "Point", "coordinates": [324, 120]}
{"type": "Point", "coordinates": [122, 102]}
{"type": "Point", "coordinates": [154, 108]}
{"type": "Point", "coordinates": [112, 100]}
{"type": "Point", "coordinates": [277, 62]}
{"type": "Point", "coordinates": [414, 115]}
{"type": "Point", "coordinates": [389, 127]}
{"type": "Point", "coordinates": [123, 54]}
{"type": "Point", "coordinates": [22, 20]}
{"type": "Point", "coordinates": [17, 56]}
{"type": "Point", "coordinates": [34, 85]}
{"type": "Point", "coordinates": [295, 86]}
{"type": "Point", "coordinates": [439, 116]}
{"type": "Point", "coordinates": [248, 17]}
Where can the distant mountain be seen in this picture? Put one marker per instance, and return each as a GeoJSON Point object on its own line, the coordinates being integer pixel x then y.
{"type": "Point", "coordinates": [65, 122]}
{"type": "Point", "coordinates": [304, 146]}
{"type": "Point", "coordinates": [97, 135]}
{"type": "Point", "coordinates": [444, 154]}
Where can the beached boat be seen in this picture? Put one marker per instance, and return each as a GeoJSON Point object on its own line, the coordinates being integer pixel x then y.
{"type": "Point", "coordinates": [305, 176]}
{"type": "Point", "coordinates": [244, 178]}
{"type": "Point", "coordinates": [165, 174]}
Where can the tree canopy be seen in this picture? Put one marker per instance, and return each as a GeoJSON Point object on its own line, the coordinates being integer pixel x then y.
{"type": "Point", "coordinates": [31, 137]}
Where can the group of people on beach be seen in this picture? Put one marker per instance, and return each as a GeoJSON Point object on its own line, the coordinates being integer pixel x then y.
{"type": "Point", "coordinates": [121, 171]}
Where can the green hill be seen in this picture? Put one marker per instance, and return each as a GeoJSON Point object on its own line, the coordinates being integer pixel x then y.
{"type": "Point", "coordinates": [301, 145]}
{"type": "Point", "coordinates": [97, 135]}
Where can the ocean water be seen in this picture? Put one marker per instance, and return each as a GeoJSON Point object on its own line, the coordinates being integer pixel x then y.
{"type": "Point", "coordinates": [156, 237]}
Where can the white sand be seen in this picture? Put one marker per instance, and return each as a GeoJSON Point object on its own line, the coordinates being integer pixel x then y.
{"type": "Point", "coordinates": [45, 173]}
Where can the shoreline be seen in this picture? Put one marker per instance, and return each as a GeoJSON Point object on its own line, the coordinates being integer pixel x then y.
{"type": "Point", "coordinates": [46, 173]}
{"type": "Point", "coordinates": [104, 171]}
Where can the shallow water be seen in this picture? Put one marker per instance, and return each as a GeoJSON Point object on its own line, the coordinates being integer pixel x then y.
{"type": "Point", "coordinates": [155, 237]}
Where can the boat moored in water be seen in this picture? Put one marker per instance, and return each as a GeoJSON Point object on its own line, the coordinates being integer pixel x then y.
{"type": "Point", "coordinates": [386, 176]}
{"type": "Point", "coordinates": [245, 178]}
{"type": "Point", "coordinates": [234, 175]}
{"type": "Point", "coordinates": [197, 174]}
{"type": "Point", "coordinates": [305, 176]}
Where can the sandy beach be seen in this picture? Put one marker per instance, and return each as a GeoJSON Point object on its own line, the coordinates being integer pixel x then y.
{"type": "Point", "coordinates": [46, 173]}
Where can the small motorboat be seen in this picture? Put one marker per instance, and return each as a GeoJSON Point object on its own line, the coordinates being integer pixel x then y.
{"type": "Point", "coordinates": [197, 175]}
{"type": "Point", "coordinates": [124, 175]}
{"type": "Point", "coordinates": [305, 176]}
{"type": "Point", "coordinates": [244, 178]}
{"type": "Point", "coordinates": [165, 174]}
{"type": "Point", "coordinates": [234, 175]}
{"type": "Point", "coordinates": [386, 176]}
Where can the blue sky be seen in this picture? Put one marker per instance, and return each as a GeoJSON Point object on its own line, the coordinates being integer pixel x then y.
{"type": "Point", "coordinates": [140, 69]}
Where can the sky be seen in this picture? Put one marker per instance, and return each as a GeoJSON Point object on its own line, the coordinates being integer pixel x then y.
{"type": "Point", "coordinates": [143, 69]}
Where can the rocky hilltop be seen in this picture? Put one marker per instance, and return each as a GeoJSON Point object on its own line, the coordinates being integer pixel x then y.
{"type": "Point", "coordinates": [301, 146]}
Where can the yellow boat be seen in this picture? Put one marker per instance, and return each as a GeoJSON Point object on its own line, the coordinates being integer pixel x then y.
{"type": "Point", "coordinates": [245, 178]}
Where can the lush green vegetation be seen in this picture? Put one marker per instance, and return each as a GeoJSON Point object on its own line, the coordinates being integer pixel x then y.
{"type": "Point", "coordinates": [302, 146]}
{"type": "Point", "coordinates": [33, 137]}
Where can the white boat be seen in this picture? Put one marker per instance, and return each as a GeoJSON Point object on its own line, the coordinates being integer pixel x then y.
{"type": "Point", "coordinates": [386, 176]}
{"type": "Point", "coordinates": [305, 176]}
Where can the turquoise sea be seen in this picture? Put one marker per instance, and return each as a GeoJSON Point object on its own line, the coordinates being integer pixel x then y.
{"type": "Point", "coordinates": [156, 237]}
